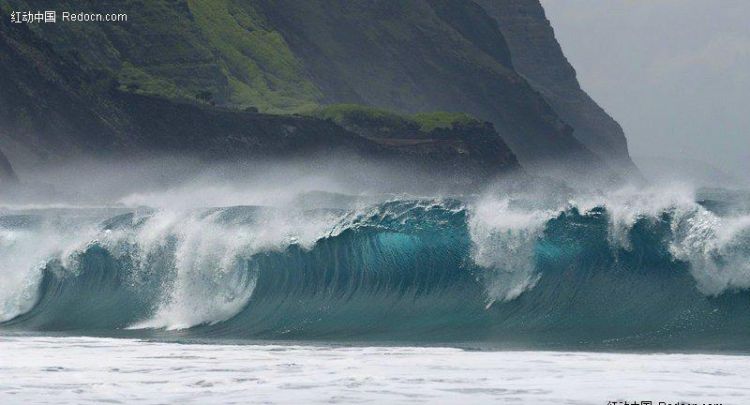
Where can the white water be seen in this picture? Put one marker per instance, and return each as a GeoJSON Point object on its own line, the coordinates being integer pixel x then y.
{"type": "Point", "coordinates": [212, 281]}
{"type": "Point", "coordinates": [717, 248]}
{"type": "Point", "coordinates": [504, 239]}
{"type": "Point", "coordinates": [25, 252]}
{"type": "Point", "coordinates": [35, 370]}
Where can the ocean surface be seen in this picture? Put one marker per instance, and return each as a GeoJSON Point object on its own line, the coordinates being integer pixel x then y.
{"type": "Point", "coordinates": [76, 370]}
{"type": "Point", "coordinates": [360, 295]}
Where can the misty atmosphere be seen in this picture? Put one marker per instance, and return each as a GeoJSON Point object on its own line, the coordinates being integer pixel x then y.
{"type": "Point", "coordinates": [285, 201]}
{"type": "Point", "coordinates": [675, 74]}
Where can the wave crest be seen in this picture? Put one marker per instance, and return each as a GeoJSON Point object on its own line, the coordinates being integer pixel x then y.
{"type": "Point", "coordinates": [486, 269]}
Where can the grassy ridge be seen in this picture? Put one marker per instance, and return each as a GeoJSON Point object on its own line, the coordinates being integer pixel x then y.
{"type": "Point", "coordinates": [218, 51]}
{"type": "Point", "coordinates": [384, 121]}
{"type": "Point", "coordinates": [261, 69]}
{"type": "Point", "coordinates": [441, 119]}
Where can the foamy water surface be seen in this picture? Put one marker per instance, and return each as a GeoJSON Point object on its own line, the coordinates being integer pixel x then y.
{"type": "Point", "coordinates": [73, 370]}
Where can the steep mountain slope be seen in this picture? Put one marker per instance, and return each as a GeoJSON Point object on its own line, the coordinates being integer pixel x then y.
{"type": "Point", "coordinates": [49, 107]}
{"type": "Point", "coordinates": [537, 56]}
{"type": "Point", "coordinates": [421, 56]}
{"type": "Point", "coordinates": [288, 56]}
{"type": "Point", "coordinates": [213, 49]}
{"type": "Point", "coordinates": [53, 111]}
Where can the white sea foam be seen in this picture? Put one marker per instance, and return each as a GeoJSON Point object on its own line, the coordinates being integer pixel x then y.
{"type": "Point", "coordinates": [211, 281]}
{"type": "Point", "coordinates": [24, 252]}
{"type": "Point", "coordinates": [503, 239]}
{"type": "Point", "coordinates": [718, 249]}
{"type": "Point", "coordinates": [214, 272]}
{"type": "Point", "coordinates": [19, 273]}
{"type": "Point", "coordinates": [628, 205]}
{"type": "Point", "coordinates": [214, 276]}
{"type": "Point", "coordinates": [35, 370]}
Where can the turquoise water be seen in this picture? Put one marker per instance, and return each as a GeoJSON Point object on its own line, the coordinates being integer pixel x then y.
{"type": "Point", "coordinates": [624, 271]}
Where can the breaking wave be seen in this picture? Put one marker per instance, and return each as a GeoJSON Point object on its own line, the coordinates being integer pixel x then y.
{"type": "Point", "coordinates": [630, 268]}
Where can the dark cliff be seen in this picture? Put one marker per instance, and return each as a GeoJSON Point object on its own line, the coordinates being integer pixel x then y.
{"type": "Point", "coordinates": [65, 87]}
{"type": "Point", "coordinates": [447, 143]}
{"type": "Point", "coordinates": [53, 111]}
{"type": "Point", "coordinates": [49, 107]}
{"type": "Point", "coordinates": [422, 56]}
{"type": "Point", "coordinates": [469, 152]}
{"type": "Point", "coordinates": [537, 56]}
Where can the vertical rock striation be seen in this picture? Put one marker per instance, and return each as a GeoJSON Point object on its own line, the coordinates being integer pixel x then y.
{"type": "Point", "coordinates": [537, 56]}
{"type": "Point", "coordinates": [495, 60]}
{"type": "Point", "coordinates": [423, 55]}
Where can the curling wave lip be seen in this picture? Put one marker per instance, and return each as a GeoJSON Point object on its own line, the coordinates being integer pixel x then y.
{"type": "Point", "coordinates": [494, 271]}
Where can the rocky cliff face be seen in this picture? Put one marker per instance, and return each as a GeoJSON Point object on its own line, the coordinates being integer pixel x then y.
{"type": "Point", "coordinates": [49, 108]}
{"type": "Point", "coordinates": [290, 57]}
{"type": "Point", "coordinates": [54, 110]}
{"type": "Point", "coordinates": [537, 56]}
{"type": "Point", "coordinates": [422, 55]}
{"type": "Point", "coordinates": [471, 153]}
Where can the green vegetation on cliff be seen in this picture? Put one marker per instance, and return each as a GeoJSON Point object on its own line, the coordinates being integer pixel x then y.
{"type": "Point", "coordinates": [213, 51]}
{"type": "Point", "coordinates": [405, 59]}
{"type": "Point", "coordinates": [357, 115]}
{"type": "Point", "coordinates": [84, 114]}
{"type": "Point", "coordinates": [261, 69]}
{"type": "Point", "coordinates": [441, 119]}
{"type": "Point", "coordinates": [378, 122]}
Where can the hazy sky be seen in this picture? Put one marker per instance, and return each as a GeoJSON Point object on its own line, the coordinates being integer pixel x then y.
{"type": "Point", "coordinates": [674, 73]}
